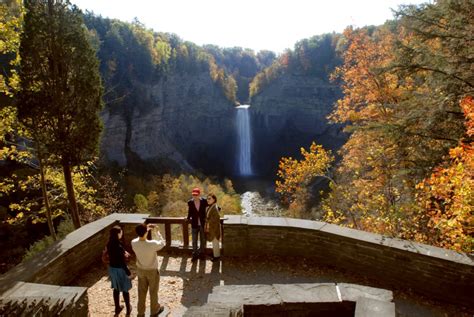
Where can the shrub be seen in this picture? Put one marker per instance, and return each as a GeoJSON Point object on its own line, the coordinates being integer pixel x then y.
{"type": "Point", "coordinates": [64, 228]}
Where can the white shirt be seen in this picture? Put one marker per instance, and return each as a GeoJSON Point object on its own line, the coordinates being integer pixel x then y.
{"type": "Point", "coordinates": [145, 250]}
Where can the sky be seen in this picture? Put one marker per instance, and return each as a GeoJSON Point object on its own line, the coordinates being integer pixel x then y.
{"type": "Point", "coordinates": [257, 24]}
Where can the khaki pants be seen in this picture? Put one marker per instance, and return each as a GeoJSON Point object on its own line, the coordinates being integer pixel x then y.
{"type": "Point", "coordinates": [148, 280]}
{"type": "Point", "coordinates": [215, 248]}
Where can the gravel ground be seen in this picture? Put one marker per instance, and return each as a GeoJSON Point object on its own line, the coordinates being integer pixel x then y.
{"type": "Point", "coordinates": [184, 283]}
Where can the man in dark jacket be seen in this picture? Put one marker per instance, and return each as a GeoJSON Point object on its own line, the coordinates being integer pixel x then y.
{"type": "Point", "coordinates": [197, 215]}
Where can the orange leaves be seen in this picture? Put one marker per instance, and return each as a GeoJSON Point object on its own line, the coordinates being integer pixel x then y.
{"type": "Point", "coordinates": [367, 92]}
{"type": "Point", "coordinates": [467, 105]}
{"type": "Point", "coordinates": [402, 83]}
{"type": "Point", "coordinates": [447, 195]}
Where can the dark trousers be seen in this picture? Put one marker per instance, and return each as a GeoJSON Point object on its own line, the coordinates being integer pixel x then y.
{"type": "Point", "coordinates": [195, 232]}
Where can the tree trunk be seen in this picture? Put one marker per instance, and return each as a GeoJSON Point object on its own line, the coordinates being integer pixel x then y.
{"type": "Point", "coordinates": [45, 195]}
{"type": "Point", "coordinates": [71, 196]}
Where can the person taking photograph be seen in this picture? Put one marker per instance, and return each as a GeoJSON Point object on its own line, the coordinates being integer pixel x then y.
{"type": "Point", "coordinates": [147, 267]}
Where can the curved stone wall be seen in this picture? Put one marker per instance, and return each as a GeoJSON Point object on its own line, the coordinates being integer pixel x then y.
{"type": "Point", "coordinates": [434, 272]}
{"type": "Point", "coordinates": [60, 263]}
{"type": "Point", "coordinates": [438, 273]}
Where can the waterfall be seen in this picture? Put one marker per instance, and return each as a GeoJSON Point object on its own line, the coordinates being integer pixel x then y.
{"type": "Point", "coordinates": [245, 139]}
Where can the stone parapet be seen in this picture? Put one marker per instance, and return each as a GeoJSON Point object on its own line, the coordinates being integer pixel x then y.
{"type": "Point", "coordinates": [434, 272]}
{"type": "Point", "coordinates": [33, 287]}
{"type": "Point", "coordinates": [61, 262]}
{"type": "Point", "coordinates": [29, 299]}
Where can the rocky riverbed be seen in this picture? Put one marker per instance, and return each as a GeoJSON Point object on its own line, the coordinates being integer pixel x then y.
{"type": "Point", "coordinates": [253, 204]}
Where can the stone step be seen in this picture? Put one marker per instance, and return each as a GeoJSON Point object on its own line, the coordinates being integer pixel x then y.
{"type": "Point", "coordinates": [214, 310]}
{"type": "Point", "coordinates": [52, 300]}
{"type": "Point", "coordinates": [369, 307]}
{"type": "Point", "coordinates": [321, 298]}
{"type": "Point", "coordinates": [294, 293]}
{"type": "Point", "coordinates": [244, 294]}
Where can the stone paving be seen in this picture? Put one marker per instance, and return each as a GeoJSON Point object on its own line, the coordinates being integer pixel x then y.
{"type": "Point", "coordinates": [296, 299]}
{"type": "Point", "coordinates": [184, 283]}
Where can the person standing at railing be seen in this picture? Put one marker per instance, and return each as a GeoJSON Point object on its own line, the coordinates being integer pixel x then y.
{"type": "Point", "coordinates": [147, 267]}
{"type": "Point", "coordinates": [213, 226]}
{"type": "Point", "coordinates": [197, 215]}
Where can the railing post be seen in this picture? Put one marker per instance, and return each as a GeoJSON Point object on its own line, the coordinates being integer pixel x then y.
{"type": "Point", "coordinates": [168, 234]}
{"type": "Point", "coordinates": [167, 222]}
{"type": "Point", "coordinates": [185, 234]}
{"type": "Point", "coordinates": [222, 234]}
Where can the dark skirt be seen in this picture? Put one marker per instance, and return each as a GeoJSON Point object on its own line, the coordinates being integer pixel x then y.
{"type": "Point", "coordinates": [120, 280]}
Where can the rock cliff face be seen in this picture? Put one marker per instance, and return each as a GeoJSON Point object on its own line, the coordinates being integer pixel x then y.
{"type": "Point", "coordinates": [291, 113]}
{"type": "Point", "coordinates": [183, 122]}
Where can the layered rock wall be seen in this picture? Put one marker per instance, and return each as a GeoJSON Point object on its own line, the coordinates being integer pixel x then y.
{"type": "Point", "coordinates": [291, 113]}
{"type": "Point", "coordinates": [183, 122]}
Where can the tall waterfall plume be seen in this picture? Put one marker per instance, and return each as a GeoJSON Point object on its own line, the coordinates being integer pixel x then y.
{"type": "Point", "coordinates": [245, 140]}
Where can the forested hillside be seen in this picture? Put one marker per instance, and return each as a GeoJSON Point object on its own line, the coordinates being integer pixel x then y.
{"type": "Point", "coordinates": [130, 52]}
{"type": "Point", "coordinates": [140, 71]}
{"type": "Point", "coordinates": [316, 56]}
{"type": "Point", "coordinates": [291, 100]}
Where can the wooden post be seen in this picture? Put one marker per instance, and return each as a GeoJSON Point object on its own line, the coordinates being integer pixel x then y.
{"type": "Point", "coordinates": [222, 234]}
{"type": "Point", "coordinates": [168, 234]}
{"type": "Point", "coordinates": [185, 234]}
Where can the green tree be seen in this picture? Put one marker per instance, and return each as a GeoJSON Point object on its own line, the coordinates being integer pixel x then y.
{"type": "Point", "coordinates": [141, 203]}
{"type": "Point", "coordinates": [433, 59]}
{"type": "Point", "coordinates": [61, 90]}
{"type": "Point", "coordinates": [11, 17]}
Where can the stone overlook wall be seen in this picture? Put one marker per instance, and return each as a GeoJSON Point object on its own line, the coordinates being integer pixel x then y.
{"type": "Point", "coordinates": [63, 261]}
{"type": "Point", "coordinates": [35, 286]}
{"type": "Point", "coordinates": [430, 271]}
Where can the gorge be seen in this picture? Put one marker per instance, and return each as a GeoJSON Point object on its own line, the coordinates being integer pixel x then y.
{"type": "Point", "coordinates": [369, 132]}
{"type": "Point", "coordinates": [177, 112]}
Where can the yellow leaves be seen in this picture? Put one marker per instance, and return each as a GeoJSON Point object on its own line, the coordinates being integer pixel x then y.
{"type": "Point", "coordinates": [7, 121]}
{"type": "Point", "coordinates": [448, 196]}
{"type": "Point", "coordinates": [11, 16]}
{"type": "Point", "coordinates": [367, 91]}
{"type": "Point", "coordinates": [295, 175]}
{"type": "Point", "coordinates": [16, 207]}
{"type": "Point", "coordinates": [168, 195]}
{"type": "Point", "coordinates": [456, 152]}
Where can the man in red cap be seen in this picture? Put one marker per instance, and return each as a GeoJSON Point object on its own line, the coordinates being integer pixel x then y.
{"type": "Point", "coordinates": [197, 215]}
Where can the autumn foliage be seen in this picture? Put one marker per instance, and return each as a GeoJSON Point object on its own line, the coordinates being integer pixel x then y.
{"type": "Point", "coordinates": [447, 195]}
{"type": "Point", "coordinates": [296, 175]}
{"type": "Point", "coordinates": [407, 168]}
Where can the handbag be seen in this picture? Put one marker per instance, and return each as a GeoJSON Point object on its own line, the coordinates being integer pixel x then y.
{"type": "Point", "coordinates": [105, 256]}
